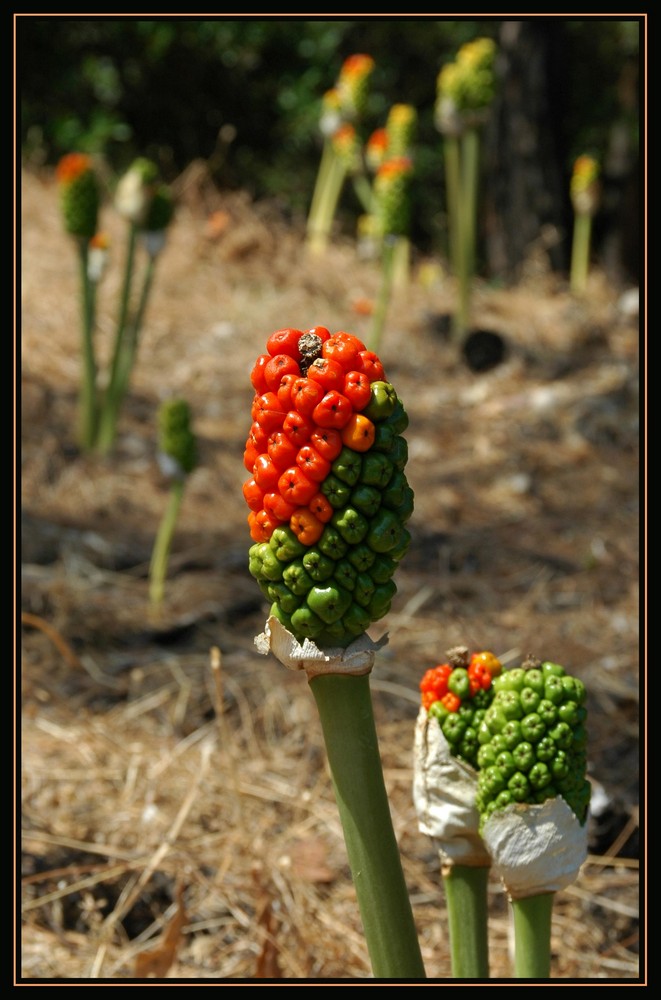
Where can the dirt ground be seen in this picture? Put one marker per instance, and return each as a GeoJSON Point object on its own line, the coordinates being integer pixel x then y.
{"type": "Point", "coordinates": [178, 819]}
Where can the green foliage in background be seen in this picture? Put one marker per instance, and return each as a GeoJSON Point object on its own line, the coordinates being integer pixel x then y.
{"type": "Point", "coordinates": [245, 94]}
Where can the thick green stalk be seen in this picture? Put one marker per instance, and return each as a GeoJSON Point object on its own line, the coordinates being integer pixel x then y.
{"type": "Point", "coordinates": [347, 719]}
{"type": "Point", "coordinates": [467, 906]}
{"type": "Point", "coordinates": [88, 402]}
{"type": "Point", "coordinates": [580, 253]}
{"type": "Point", "coordinates": [161, 553]}
{"type": "Point", "coordinates": [532, 936]}
{"type": "Point", "coordinates": [385, 291]}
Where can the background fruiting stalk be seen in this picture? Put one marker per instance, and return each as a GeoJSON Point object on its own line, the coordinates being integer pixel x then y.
{"type": "Point", "coordinates": [347, 719]}
{"type": "Point", "coordinates": [584, 190]}
{"type": "Point", "coordinates": [400, 128]}
{"type": "Point", "coordinates": [461, 166]}
{"type": "Point", "coordinates": [328, 187]}
{"type": "Point", "coordinates": [465, 89]}
{"type": "Point", "coordinates": [147, 207]}
{"type": "Point", "coordinates": [391, 210]}
{"type": "Point", "coordinates": [79, 201]}
{"type": "Point", "coordinates": [342, 105]}
{"type": "Point", "coordinates": [178, 457]}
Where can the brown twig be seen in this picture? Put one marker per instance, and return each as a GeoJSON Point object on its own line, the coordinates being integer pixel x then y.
{"type": "Point", "coordinates": [58, 641]}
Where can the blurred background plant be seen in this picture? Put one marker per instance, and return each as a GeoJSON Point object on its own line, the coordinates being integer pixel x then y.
{"type": "Point", "coordinates": [147, 206]}
{"type": "Point", "coordinates": [391, 214]}
{"type": "Point", "coordinates": [177, 458]}
{"type": "Point", "coordinates": [584, 189]}
{"type": "Point", "coordinates": [245, 95]}
{"type": "Point", "coordinates": [343, 107]}
{"type": "Point", "coordinates": [465, 93]}
{"type": "Point", "coordinates": [80, 199]}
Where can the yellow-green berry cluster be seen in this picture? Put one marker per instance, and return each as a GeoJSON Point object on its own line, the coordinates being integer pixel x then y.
{"type": "Point", "coordinates": [176, 440]}
{"type": "Point", "coordinates": [466, 87]}
{"type": "Point", "coordinates": [391, 196]}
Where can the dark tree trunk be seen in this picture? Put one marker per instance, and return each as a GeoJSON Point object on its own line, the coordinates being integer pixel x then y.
{"type": "Point", "coordinates": [525, 201]}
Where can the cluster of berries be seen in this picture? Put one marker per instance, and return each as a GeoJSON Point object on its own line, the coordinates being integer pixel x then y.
{"type": "Point", "coordinates": [327, 492]}
{"type": "Point", "coordinates": [457, 693]}
{"type": "Point", "coordinates": [522, 729]}
{"type": "Point", "coordinates": [533, 740]}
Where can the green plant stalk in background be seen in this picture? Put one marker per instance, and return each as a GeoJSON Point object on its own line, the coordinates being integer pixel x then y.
{"type": "Point", "coordinates": [580, 253]}
{"type": "Point", "coordinates": [532, 936]}
{"type": "Point", "coordinates": [363, 191]}
{"type": "Point", "coordinates": [452, 163]}
{"type": "Point", "coordinates": [391, 215]}
{"type": "Point", "coordinates": [161, 553]}
{"type": "Point", "coordinates": [461, 177]}
{"type": "Point", "coordinates": [328, 187]}
{"type": "Point", "coordinates": [401, 265]}
{"type": "Point", "coordinates": [129, 354]}
{"type": "Point", "coordinates": [178, 457]}
{"type": "Point", "coordinates": [124, 361]}
{"type": "Point", "coordinates": [112, 399]}
{"type": "Point", "coordinates": [585, 192]}
{"type": "Point", "coordinates": [385, 292]}
{"type": "Point", "coordinates": [470, 145]}
{"type": "Point", "coordinates": [88, 400]}
{"type": "Point", "coordinates": [467, 906]}
{"type": "Point", "coordinates": [347, 719]}
{"type": "Point", "coordinates": [327, 153]}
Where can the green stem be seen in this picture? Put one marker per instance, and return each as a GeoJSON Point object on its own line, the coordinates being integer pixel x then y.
{"type": "Point", "coordinates": [452, 191]}
{"type": "Point", "coordinates": [532, 936]}
{"type": "Point", "coordinates": [127, 360]}
{"type": "Point", "coordinates": [106, 433]}
{"type": "Point", "coordinates": [124, 364]}
{"type": "Point", "coordinates": [580, 254]}
{"type": "Point", "coordinates": [124, 301]}
{"type": "Point", "coordinates": [385, 290]}
{"type": "Point", "coordinates": [327, 155]}
{"type": "Point", "coordinates": [347, 719]}
{"type": "Point", "coordinates": [88, 402]}
{"type": "Point", "coordinates": [161, 553]}
{"type": "Point", "coordinates": [467, 227]}
{"type": "Point", "coordinates": [329, 195]}
{"type": "Point", "coordinates": [402, 262]}
{"type": "Point", "coordinates": [363, 190]}
{"type": "Point", "coordinates": [466, 896]}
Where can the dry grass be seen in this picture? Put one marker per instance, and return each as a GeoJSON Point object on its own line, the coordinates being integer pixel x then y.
{"type": "Point", "coordinates": [178, 819]}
